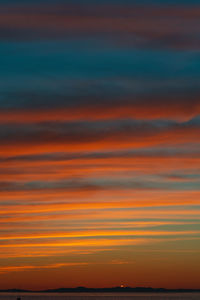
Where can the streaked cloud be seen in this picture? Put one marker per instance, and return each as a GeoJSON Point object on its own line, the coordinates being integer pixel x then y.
{"type": "Point", "coordinates": [164, 26]}
{"type": "Point", "coordinates": [99, 143]}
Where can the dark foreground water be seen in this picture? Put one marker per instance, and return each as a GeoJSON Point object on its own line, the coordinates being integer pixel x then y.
{"type": "Point", "coordinates": [97, 296]}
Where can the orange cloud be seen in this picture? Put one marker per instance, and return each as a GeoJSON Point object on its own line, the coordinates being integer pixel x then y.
{"type": "Point", "coordinates": [98, 233]}
{"type": "Point", "coordinates": [79, 137]}
{"type": "Point", "coordinates": [182, 109]}
{"type": "Point", "coordinates": [8, 269]}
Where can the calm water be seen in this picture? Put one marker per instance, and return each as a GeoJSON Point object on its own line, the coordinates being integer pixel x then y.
{"type": "Point", "coordinates": [96, 296]}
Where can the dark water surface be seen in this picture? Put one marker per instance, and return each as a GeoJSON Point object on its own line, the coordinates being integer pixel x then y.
{"type": "Point", "coordinates": [99, 296]}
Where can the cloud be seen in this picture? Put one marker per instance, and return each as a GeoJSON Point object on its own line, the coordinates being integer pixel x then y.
{"type": "Point", "coordinates": [88, 136]}
{"type": "Point", "coordinates": [164, 26]}
{"type": "Point", "coordinates": [8, 269]}
{"type": "Point", "coordinates": [99, 139]}
{"type": "Point", "coordinates": [102, 156]}
{"type": "Point", "coordinates": [174, 106]}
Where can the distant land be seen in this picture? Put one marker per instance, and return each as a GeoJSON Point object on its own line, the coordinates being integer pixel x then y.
{"type": "Point", "coordinates": [105, 290]}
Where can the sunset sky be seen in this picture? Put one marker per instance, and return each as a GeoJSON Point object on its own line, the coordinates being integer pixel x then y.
{"type": "Point", "coordinates": [99, 143]}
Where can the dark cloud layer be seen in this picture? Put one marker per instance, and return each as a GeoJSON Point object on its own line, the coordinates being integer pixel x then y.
{"type": "Point", "coordinates": [97, 185]}
{"type": "Point", "coordinates": [142, 153]}
{"type": "Point", "coordinates": [130, 23]}
{"type": "Point", "coordinates": [155, 105]}
{"type": "Point", "coordinates": [121, 131]}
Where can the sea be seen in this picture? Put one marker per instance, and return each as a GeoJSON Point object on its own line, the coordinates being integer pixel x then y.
{"type": "Point", "coordinates": [100, 296]}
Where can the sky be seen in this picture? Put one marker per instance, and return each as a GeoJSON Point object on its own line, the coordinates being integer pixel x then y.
{"type": "Point", "coordinates": [99, 143]}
